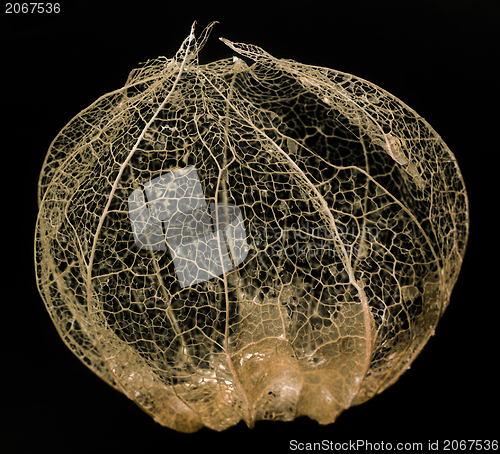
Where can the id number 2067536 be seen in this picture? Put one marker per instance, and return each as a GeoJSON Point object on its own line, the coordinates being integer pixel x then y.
{"type": "Point", "coordinates": [32, 8]}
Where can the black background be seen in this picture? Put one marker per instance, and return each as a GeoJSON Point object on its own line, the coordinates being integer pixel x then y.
{"type": "Point", "coordinates": [437, 56]}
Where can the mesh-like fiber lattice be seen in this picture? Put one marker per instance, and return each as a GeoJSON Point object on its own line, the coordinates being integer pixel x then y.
{"type": "Point", "coordinates": [305, 278]}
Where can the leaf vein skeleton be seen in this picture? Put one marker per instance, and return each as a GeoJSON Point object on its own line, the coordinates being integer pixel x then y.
{"type": "Point", "coordinates": [248, 239]}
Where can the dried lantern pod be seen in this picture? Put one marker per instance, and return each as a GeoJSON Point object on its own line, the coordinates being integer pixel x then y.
{"type": "Point", "coordinates": [229, 242]}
